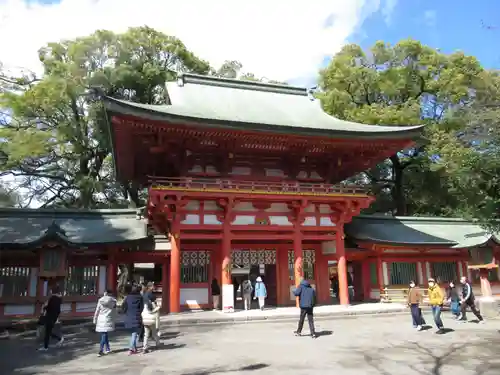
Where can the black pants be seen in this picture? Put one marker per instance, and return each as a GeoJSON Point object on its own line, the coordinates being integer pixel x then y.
{"type": "Point", "coordinates": [49, 327]}
{"type": "Point", "coordinates": [472, 305]}
{"type": "Point", "coordinates": [310, 319]}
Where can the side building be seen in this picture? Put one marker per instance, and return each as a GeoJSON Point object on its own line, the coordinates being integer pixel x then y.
{"type": "Point", "coordinates": [85, 251]}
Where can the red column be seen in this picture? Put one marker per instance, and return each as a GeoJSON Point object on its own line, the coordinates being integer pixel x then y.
{"type": "Point", "coordinates": [175, 273]}
{"type": "Point", "coordinates": [111, 273]}
{"type": "Point", "coordinates": [164, 287]}
{"type": "Point", "coordinates": [366, 279]}
{"type": "Point", "coordinates": [226, 266]}
{"type": "Point", "coordinates": [342, 268]}
{"type": "Point", "coordinates": [298, 262]}
{"type": "Point", "coordinates": [380, 274]}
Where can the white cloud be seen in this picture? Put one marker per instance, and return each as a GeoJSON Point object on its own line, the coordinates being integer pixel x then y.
{"type": "Point", "coordinates": [277, 39]}
{"type": "Point", "coordinates": [388, 10]}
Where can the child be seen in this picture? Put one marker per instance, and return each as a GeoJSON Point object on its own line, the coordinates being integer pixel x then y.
{"type": "Point", "coordinates": [149, 321]}
{"type": "Point", "coordinates": [132, 308]}
{"type": "Point", "coordinates": [104, 320]}
{"type": "Point", "coordinates": [260, 292]}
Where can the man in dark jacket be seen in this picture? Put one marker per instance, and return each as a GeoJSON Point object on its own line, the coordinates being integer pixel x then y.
{"type": "Point", "coordinates": [52, 310]}
{"type": "Point", "coordinates": [468, 299]}
{"type": "Point", "coordinates": [307, 300]}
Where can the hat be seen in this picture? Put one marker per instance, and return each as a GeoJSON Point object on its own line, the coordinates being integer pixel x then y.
{"type": "Point", "coordinates": [259, 279]}
{"type": "Point", "coordinates": [431, 280]}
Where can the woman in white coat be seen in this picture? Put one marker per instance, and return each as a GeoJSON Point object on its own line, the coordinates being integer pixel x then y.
{"type": "Point", "coordinates": [150, 317]}
{"type": "Point", "coordinates": [104, 320]}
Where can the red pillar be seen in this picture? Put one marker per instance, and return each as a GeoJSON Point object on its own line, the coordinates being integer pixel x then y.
{"type": "Point", "coordinates": [366, 279]}
{"type": "Point", "coordinates": [298, 262]}
{"type": "Point", "coordinates": [225, 256]}
{"type": "Point", "coordinates": [175, 273]}
{"type": "Point", "coordinates": [164, 286]}
{"type": "Point", "coordinates": [342, 268]}
{"type": "Point", "coordinates": [112, 274]}
{"type": "Point", "coordinates": [380, 274]}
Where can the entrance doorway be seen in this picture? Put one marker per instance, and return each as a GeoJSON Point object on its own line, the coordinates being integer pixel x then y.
{"type": "Point", "coordinates": [250, 264]}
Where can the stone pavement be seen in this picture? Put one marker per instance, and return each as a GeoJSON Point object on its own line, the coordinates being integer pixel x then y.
{"type": "Point", "coordinates": [387, 345]}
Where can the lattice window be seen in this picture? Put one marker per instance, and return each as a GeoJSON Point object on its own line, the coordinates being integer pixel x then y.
{"type": "Point", "coordinates": [14, 281]}
{"type": "Point", "coordinates": [402, 273]}
{"type": "Point", "coordinates": [444, 271]}
{"type": "Point", "coordinates": [195, 267]}
{"type": "Point", "coordinates": [253, 257]}
{"type": "Point", "coordinates": [82, 281]}
{"type": "Point", "coordinates": [309, 260]}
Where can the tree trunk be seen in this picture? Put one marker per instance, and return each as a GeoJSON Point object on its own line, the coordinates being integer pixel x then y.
{"type": "Point", "coordinates": [397, 191]}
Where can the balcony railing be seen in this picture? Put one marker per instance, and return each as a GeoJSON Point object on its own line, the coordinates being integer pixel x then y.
{"type": "Point", "coordinates": [258, 187]}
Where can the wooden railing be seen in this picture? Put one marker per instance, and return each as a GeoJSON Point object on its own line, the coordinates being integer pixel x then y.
{"type": "Point", "coordinates": [217, 184]}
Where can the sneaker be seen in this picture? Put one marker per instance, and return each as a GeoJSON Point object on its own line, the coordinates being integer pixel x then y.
{"type": "Point", "coordinates": [419, 328]}
{"type": "Point", "coordinates": [107, 351]}
{"type": "Point", "coordinates": [296, 333]}
{"type": "Point", "coordinates": [481, 321]}
{"type": "Point", "coordinates": [43, 349]}
{"type": "Point", "coordinates": [60, 342]}
{"type": "Point", "coordinates": [100, 354]}
{"type": "Point", "coordinates": [461, 321]}
{"type": "Point", "coordinates": [314, 336]}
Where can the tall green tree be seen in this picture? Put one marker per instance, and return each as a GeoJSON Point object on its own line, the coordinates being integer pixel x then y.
{"type": "Point", "coordinates": [55, 136]}
{"type": "Point", "coordinates": [403, 84]}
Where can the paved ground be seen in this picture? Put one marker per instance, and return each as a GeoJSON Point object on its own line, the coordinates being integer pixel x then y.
{"type": "Point", "coordinates": [365, 345]}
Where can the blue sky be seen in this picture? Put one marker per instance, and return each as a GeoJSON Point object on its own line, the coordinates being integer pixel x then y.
{"type": "Point", "coordinates": [445, 24]}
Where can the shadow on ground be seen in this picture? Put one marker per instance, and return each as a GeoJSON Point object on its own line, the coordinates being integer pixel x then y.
{"type": "Point", "coordinates": [478, 356]}
{"type": "Point", "coordinates": [220, 370]}
{"type": "Point", "coordinates": [22, 356]}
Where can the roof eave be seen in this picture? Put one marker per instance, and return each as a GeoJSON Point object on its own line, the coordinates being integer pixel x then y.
{"type": "Point", "coordinates": [121, 108]}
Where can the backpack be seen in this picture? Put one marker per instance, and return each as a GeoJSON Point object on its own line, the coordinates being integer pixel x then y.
{"type": "Point", "coordinates": [247, 287]}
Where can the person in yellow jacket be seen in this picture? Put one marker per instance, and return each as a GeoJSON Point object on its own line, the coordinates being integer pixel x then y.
{"type": "Point", "coordinates": [436, 300]}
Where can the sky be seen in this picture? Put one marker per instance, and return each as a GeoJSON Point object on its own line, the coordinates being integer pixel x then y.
{"type": "Point", "coordinates": [287, 40]}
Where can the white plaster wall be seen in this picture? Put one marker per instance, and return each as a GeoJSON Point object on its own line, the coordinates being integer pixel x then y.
{"type": "Point", "coordinates": [244, 220]}
{"type": "Point", "coordinates": [191, 219]}
{"type": "Point", "coordinates": [385, 273]}
{"type": "Point", "coordinates": [326, 222]}
{"type": "Point", "coordinates": [66, 308]}
{"type": "Point", "coordinates": [33, 282]}
{"type": "Point", "coordinates": [241, 171]}
{"type": "Point", "coordinates": [325, 209]}
{"type": "Point", "coordinates": [278, 207]}
{"type": "Point", "coordinates": [375, 294]}
{"type": "Point", "coordinates": [212, 206]}
{"type": "Point", "coordinates": [279, 220]}
{"type": "Point", "coordinates": [194, 296]}
{"type": "Point", "coordinates": [310, 208]}
{"type": "Point", "coordinates": [102, 280]}
{"type": "Point", "coordinates": [192, 206]}
{"type": "Point", "coordinates": [211, 220]}
{"type": "Point", "coordinates": [85, 306]}
{"type": "Point", "coordinates": [310, 221]}
{"type": "Point", "coordinates": [245, 206]}
{"type": "Point", "coordinates": [275, 173]}
{"type": "Point", "coordinates": [19, 309]}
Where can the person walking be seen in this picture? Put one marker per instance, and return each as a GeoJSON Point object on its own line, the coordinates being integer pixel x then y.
{"type": "Point", "coordinates": [215, 288]}
{"type": "Point", "coordinates": [468, 299]}
{"type": "Point", "coordinates": [132, 307]}
{"type": "Point", "coordinates": [104, 320]}
{"type": "Point", "coordinates": [260, 292]}
{"type": "Point", "coordinates": [453, 297]}
{"type": "Point", "coordinates": [246, 291]}
{"type": "Point", "coordinates": [307, 301]}
{"type": "Point", "coordinates": [149, 315]}
{"type": "Point", "coordinates": [414, 301]}
{"type": "Point", "coordinates": [436, 300]}
{"type": "Point", "coordinates": [52, 310]}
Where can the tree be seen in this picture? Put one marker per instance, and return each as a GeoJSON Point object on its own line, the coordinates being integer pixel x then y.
{"type": "Point", "coordinates": [56, 141]}
{"type": "Point", "coordinates": [403, 84]}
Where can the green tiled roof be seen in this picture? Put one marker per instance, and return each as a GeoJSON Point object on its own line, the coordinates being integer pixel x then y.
{"type": "Point", "coordinates": [19, 227]}
{"type": "Point", "coordinates": [455, 233]}
{"type": "Point", "coordinates": [229, 103]}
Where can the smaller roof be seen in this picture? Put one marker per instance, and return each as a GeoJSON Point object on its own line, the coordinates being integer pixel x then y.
{"type": "Point", "coordinates": [29, 227]}
{"type": "Point", "coordinates": [239, 104]}
{"type": "Point", "coordinates": [456, 233]}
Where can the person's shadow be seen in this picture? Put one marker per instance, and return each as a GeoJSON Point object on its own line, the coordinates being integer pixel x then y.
{"type": "Point", "coordinates": [324, 333]}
